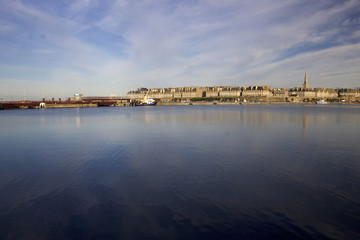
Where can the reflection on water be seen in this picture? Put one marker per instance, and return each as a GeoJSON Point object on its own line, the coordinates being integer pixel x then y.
{"type": "Point", "coordinates": [205, 172]}
{"type": "Point", "coordinates": [305, 123]}
{"type": "Point", "coordinates": [77, 118]}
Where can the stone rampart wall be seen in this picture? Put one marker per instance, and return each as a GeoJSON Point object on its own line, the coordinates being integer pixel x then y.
{"type": "Point", "coordinates": [229, 94]}
{"type": "Point", "coordinates": [260, 93]}
{"type": "Point", "coordinates": [240, 92]}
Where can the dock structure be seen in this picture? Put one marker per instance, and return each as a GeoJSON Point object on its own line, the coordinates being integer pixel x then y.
{"type": "Point", "coordinates": [19, 104]}
{"type": "Point", "coordinates": [83, 102]}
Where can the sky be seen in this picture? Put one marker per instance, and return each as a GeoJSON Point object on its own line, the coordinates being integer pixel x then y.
{"type": "Point", "coordinates": [109, 47]}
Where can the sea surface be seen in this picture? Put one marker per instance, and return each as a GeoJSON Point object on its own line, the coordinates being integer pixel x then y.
{"type": "Point", "coordinates": [181, 172]}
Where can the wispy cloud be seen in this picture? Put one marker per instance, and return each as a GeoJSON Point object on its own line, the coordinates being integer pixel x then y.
{"type": "Point", "coordinates": [6, 28]}
{"type": "Point", "coordinates": [43, 51]}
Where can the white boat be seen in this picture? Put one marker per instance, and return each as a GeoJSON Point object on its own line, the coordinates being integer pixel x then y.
{"type": "Point", "coordinates": [322, 101]}
{"type": "Point", "coordinates": [146, 102]}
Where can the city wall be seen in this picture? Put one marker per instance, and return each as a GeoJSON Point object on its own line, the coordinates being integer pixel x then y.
{"type": "Point", "coordinates": [254, 93]}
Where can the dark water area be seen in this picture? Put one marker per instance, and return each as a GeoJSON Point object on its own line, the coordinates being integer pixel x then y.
{"type": "Point", "coordinates": [181, 172]}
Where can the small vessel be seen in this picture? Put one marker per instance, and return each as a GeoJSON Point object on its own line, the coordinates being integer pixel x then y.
{"type": "Point", "coordinates": [243, 101]}
{"type": "Point", "coordinates": [42, 105]}
{"type": "Point", "coordinates": [322, 101]}
{"type": "Point", "coordinates": [146, 102]}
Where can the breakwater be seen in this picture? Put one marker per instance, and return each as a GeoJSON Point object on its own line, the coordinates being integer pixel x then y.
{"type": "Point", "coordinates": [59, 104]}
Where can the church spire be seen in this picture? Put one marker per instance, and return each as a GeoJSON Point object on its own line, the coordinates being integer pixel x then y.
{"type": "Point", "coordinates": [306, 83]}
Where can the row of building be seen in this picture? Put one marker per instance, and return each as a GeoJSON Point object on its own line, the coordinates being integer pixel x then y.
{"type": "Point", "coordinates": [262, 93]}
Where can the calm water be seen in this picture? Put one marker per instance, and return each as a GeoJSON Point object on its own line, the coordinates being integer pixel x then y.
{"type": "Point", "coordinates": [182, 172]}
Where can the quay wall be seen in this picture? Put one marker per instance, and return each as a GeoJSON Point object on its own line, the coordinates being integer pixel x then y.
{"type": "Point", "coordinates": [75, 105]}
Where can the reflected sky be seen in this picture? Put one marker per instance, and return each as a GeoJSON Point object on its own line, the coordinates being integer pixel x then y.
{"type": "Point", "coordinates": [208, 172]}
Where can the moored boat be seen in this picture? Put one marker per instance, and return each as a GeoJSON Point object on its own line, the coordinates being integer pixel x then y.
{"type": "Point", "coordinates": [146, 102]}
{"type": "Point", "coordinates": [322, 101]}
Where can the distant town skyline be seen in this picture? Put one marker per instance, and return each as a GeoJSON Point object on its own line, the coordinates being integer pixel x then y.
{"type": "Point", "coordinates": [58, 48]}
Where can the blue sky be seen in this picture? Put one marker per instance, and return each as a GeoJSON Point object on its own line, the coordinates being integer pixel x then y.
{"type": "Point", "coordinates": [108, 47]}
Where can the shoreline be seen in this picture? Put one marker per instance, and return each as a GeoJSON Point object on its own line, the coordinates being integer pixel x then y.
{"type": "Point", "coordinates": [253, 103]}
{"type": "Point", "coordinates": [87, 105]}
